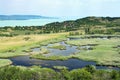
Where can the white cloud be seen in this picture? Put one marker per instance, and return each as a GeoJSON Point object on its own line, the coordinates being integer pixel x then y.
{"type": "Point", "coordinates": [59, 7]}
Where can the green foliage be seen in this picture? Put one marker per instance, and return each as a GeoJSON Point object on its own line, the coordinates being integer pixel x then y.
{"type": "Point", "coordinates": [38, 73]}
{"type": "Point", "coordinates": [90, 68]}
{"type": "Point", "coordinates": [115, 75]}
{"type": "Point", "coordinates": [14, 73]}
{"type": "Point", "coordinates": [80, 74]}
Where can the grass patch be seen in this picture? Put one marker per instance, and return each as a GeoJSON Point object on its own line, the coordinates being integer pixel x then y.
{"type": "Point", "coordinates": [104, 53]}
{"type": "Point", "coordinates": [5, 62]}
{"type": "Point", "coordinates": [44, 51]}
{"type": "Point", "coordinates": [58, 46]}
{"type": "Point", "coordinates": [60, 67]}
{"type": "Point", "coordinates": [40, 56]}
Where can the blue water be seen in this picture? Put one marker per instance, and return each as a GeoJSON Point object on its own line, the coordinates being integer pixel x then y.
{"type": "Point", "coordinates": [32, 22]}
{"type": "Point", "coordinates": [70, 63]}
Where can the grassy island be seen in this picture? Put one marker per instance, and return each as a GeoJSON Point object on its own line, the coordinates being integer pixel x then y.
{"type": "Point", "coordinates": [58, 46]}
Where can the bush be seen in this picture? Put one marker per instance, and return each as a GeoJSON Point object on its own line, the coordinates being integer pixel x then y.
{"type": "Point", "coordinates": [80, 74]}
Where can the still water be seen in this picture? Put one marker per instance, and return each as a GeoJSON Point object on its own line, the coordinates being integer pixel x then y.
{"type": "Point", "coordinates": [70, 63]}
{"type": "Point", "coordinates": [31, 22]}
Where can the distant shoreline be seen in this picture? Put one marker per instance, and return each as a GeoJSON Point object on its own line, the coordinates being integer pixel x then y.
{"type": "Point", "coordinates": [24, 17]}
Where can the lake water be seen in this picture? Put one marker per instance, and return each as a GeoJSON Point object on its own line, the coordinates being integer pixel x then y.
{"type": "Point", "coordinates": [32, 22]}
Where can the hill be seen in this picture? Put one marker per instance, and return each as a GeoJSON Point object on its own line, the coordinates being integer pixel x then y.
{"type": "Point", "coordinates": [22, 17]}
{"type": "Point", "coordinates": [87, 25]}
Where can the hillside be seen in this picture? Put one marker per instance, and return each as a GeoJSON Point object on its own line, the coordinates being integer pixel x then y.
{"type": "Point", "coordinates": [88, 25]}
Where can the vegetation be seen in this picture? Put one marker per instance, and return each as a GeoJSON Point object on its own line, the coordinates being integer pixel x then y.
{"type": "Point", "coordinates": [60, 67]}
{"type": "Point", "coordinates": [40, 56]}
{"type": "Point", "coordinates": [16, 46]}
{"type": "Point", "coordinates": [5, 62]}
{"type": "Point", "coordinates": [103, 53]}
{"type": "Point", "coordinates": [44, 51]}
{"type": "Point", "coordinates": [37, 73]}
{"type": "Point", "coordinates": [58, 46]}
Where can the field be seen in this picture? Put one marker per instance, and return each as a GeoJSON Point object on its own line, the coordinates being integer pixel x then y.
{"type": "Point", "coordinates": [105, 51]}
{"type": "Point", "coordinates": [14, 46]}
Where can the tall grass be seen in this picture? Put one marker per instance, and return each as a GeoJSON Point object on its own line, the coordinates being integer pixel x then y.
{"type": "Point", "coordinates": [13, 46]}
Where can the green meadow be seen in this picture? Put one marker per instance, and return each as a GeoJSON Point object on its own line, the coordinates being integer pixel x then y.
{"type": "Point", "coordinates": [105, 52]}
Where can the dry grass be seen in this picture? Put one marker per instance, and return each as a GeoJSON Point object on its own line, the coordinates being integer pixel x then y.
{"type": "Point", "coordinates": [7, 43]}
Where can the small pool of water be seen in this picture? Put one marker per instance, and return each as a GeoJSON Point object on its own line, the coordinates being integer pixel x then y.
{"type": "Point", "coordinates": [70, 63]}
{"type": "Point", "coordinates": [57, 52]}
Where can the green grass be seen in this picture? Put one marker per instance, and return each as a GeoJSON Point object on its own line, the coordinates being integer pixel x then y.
{"type": "Point", "coordinates": [58, 46]}
{"type": "Point", "coordinates": [5, 62]}
{"type": "Point", "coordinates": [44, 51]}
{"type": "Point", "coordinates": [60, 67]}
{"type": "Point", "coordinates": [103, 53]}
{"type": "Point", "coordinates": [40, 56]}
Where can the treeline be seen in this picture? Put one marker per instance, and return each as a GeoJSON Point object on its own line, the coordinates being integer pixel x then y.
{"type": "Point", "coordinates": [90, 25]}
{"type": "Point", "coordinates": [37, 73]}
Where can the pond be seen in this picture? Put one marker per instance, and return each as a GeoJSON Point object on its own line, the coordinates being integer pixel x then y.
{"type": "Point", "coordinates": [57, 52]}
{"type": "Point", "coordinates": [70, 63]}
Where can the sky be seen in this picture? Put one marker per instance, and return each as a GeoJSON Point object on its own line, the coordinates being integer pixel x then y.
{"type": "Point", "coordinates": [59, 8]}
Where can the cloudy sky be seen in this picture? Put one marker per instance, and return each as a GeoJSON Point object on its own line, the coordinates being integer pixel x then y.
{"type": "Point", "coordinates": [80, 8]}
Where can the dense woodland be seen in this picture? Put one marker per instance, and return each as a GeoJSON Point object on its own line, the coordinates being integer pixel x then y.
{"type": "Point", "coordinates": [88, 25]}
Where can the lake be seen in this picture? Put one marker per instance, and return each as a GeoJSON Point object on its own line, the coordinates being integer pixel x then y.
{"type": "Point", "coordinates": [31, 22]}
